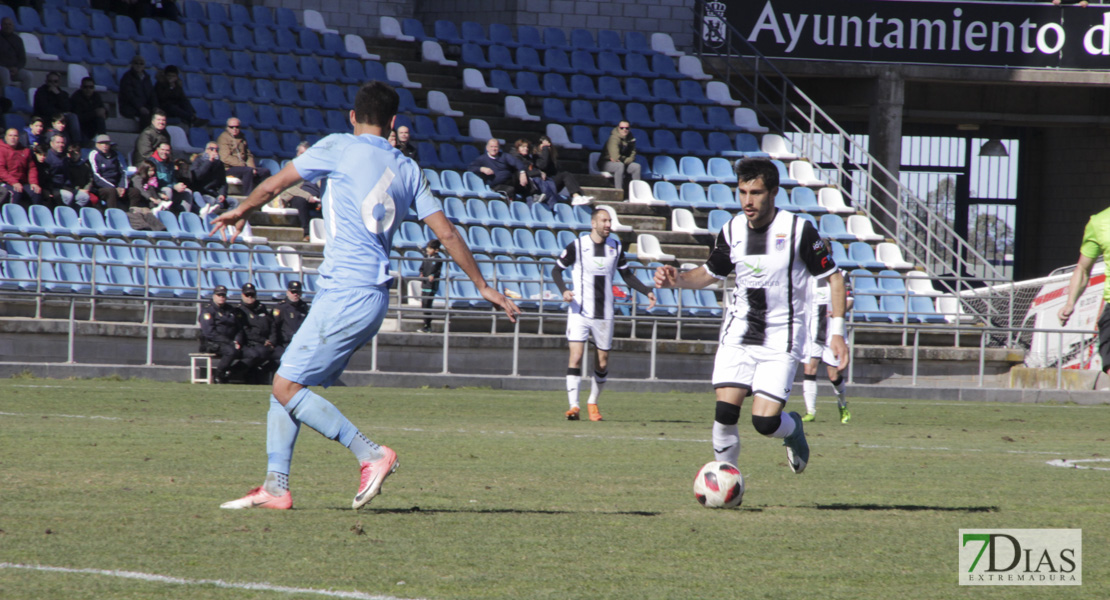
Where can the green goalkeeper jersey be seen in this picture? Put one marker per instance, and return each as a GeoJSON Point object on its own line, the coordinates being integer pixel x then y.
{"type": "Point", "coordinates": [1096, 241]}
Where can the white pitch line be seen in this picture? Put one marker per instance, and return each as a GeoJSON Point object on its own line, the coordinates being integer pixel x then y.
{"type": "Point", "coordinates": [263, 587]}
{"type": "Point", "coordinates": [1071, 463]}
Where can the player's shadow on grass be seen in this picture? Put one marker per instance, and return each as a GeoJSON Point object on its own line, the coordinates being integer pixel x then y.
{"type": "Point", "coordinates": [507, 511]}
{"type": "Point", "coordinates": [907, 507]}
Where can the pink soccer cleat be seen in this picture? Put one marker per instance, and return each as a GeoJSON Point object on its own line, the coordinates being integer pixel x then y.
{"type": "Point", "coordinates": [373, 474]}
{"type": "Point", "coordinates": [260, 498]}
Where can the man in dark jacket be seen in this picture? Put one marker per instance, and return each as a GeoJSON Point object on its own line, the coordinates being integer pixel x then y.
{"type": "Point", "coordinates": [150, 138]}
{"type": "Point", "coordinates": [13, 56]}
{"type": "Point", "coordinates": [109, 177]}
{"type": "Point", "coordinates": [619, 155]}
{"type": "Point", "coordinates": [501, 172]}
{"type": "Point", "coordinates": [404, 144]}
{"type": "Point", "coordinates": [288, 316]}
{"type": "Point", "coordinates": [210, 178]}
{"type": "Point", "coordinates": [57, 182]}
{"type": "Point", "coordinates": [258, 327]}
{"type": "Point", "coordinates": [221, 332]}
{"type": "Point", "coordinates": [430, 269]}
{"type": "Point", "coordinates": [136, 92]}
{"type": "Point", "coordinates": [89, 107]}
{"type": "Point", "coordinates": [50, 98]}
{"type": "Point", "coordinates": [171, 98]}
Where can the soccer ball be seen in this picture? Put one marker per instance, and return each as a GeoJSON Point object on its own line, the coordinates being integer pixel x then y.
{"type": "Point", "coordinates": [719, 485]}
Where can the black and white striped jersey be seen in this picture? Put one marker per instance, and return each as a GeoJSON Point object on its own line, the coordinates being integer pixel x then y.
{"type": "Point", "coordinates": [820, 308]}
{"type": "Point", "coordinates": [773, 266]}
{"type": "Point", "coordinates": [592, 267]}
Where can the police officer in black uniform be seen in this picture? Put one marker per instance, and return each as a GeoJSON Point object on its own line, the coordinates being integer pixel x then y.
{"type": "Point", "coordinates": [221, 332]}
{"type": "Point", "coordinates": [258, 322]}
{"type": "Point", "coordinates": [288, 316]}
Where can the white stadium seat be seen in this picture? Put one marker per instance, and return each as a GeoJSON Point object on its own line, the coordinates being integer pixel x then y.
{"type": "Point", "coordinates": [316, 231]}
{"type": "Point", "coordinates": [746, 118]}
{"type": "Point", "coordinates": [775, 145]}
{"type": "Point", "coordinates": [860, 226]}
{"type": "Point", "coordinates": [180, 140]}
{"type": "Point", "coordinates": [431, 51]}
{"type": "Point", "coordinates": [952, 309]}
{"type": "Point", "coordinates": [357, 46]}
{"type": "Point", "coordinates": [473, 80]}
{"type": "Point", "coordinates": [891, 255]}
{"type": "Point", "coordinates": [682, 221]}
{"type": "Point", "coordinates": [289, 258]}
{"type": "Point", "coordinates": [390, 28]}
{"type": "Point", "coordinates": [831, 199]}
{"type": "Point", "coordinates": [438, 103]}
{"type": "Point", "coordinates": [639, 192]}
{"type": "Point", "coordinates": [480, 131]}
{"type": "Point", "coordinates": [315, 21]}
{"type": "Point", "coordinates": [919, 284]}
{"type": "Point", "coordinates": [515, 108]}
{"type": "Point", "coordinates": [556, 133]}
{"type": "Point", "coordinates": [32, 47]}
{"type": "Point", "coordinates": [718, 92]}
{"type": "Point", "coordinates": [396, 72]}
{"type": "Point", "coordinates": [614, 222]}
{"type": "Point", "coordinates": [662, 42]}
{"type": "Point", "coordinates": [690, 66]}
{"type": "Point", "coordinates": [802, 171]}
{"type": "Point", "coordinates": [649, 249]}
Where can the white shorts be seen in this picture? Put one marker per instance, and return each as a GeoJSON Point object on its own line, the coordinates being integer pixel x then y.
{"type": "Point", "coordinates": [579, 329]}
{"type": "Point", "coordinates": [825, 353]}
{"type": "Point", "coordinates": [768, 373]}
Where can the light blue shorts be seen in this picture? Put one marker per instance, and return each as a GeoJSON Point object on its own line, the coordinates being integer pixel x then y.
{"type": "Point", "coordinates": [338, 323]}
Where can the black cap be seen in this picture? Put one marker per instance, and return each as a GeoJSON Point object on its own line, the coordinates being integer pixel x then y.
{"type": "Point", "coordinates": [294, 286]}
{"type": "Point", "coordinates": [220, 289]}
{"type": "Point", "coordinates": [248, 288]}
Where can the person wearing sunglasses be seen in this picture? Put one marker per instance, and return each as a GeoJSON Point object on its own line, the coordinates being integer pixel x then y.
{"type": "Point", "coordinates": [237, 157]}
{"type": "Point", "coordinates": [619, 156]}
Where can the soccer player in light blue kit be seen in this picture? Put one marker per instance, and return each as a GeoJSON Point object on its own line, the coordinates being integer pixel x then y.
{"type": "Point", "coordinates": [371, 187]}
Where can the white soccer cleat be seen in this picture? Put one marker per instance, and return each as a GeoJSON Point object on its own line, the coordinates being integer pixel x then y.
{"type": "Point", "coordinates": [373, 474]}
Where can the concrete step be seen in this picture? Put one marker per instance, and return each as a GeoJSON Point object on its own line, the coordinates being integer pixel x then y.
{"type": "Point", "coordinates": [604, 194]}
{"type": "Point", "coordinates": [278, 235]}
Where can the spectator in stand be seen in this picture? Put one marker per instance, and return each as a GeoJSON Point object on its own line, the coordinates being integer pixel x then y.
{"type": "Point", "coordinates": [109, 176]}
{"type": "Point", "coordinates": [144, 193]}
{"type": "Point", "coordinates": [13, 56]}
{"type": "Point", "coordinates": [237, 157]}
{"type": "Point", "coordinates": [305, 197]}
{"type": "Point", "coordinates": [171, 98]}
{"type": "Point", "coordinates": [619, 156]}
{"type": "Point", "coordinates": [430, 269]}
{"type": "Point", "coordinates": [178, 194]}
{"type": "Point", "coordinates": [547, 160]}
{"type": "Point", "coordinates": [81, 174]}
{"type": "Point", "coordinates": [540, 184]}
{"type": "Point", "coordinates": [52, 100]}
{"type": "Point", "coordinates": [210, 179]}
{"type": "Point", "coordinates": [151, 137]}
{"type": "Point", "coordinates": [136, 92]}
{"type": "Point", "coordinates": [58, 182]}
{"type": "Point", "coordinates": [32, 134]}
{"type": "Point", "coordinates": [404, 145]}
{"type": "Point", "coordinates": [18, 173]}
{"type": "Point", "coordinates": [91, 112]}
{"type": "Point", "coordinates": [59, 125]}
{"type": "Point", "coordinates": [503, 173]}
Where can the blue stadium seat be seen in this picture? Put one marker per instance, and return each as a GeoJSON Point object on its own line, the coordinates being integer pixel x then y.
{"type": "Point", "coordinates": [581, 39]}
{"type": "Point", "coordinates": [543, 217]}
{"type": "Point", "coordinates": [691, 91]}
{"type": "Point", "coordinates": [694, 195]}
{"type": "Point", "coordinates": [784, 175]}
{"type": "Point", "coordinates": [500, 33]}
{"type": "Point", "coordinates": [499, 213]}
{"type": "Point", "coordinates": [583, 87]}
{"type": "Point", "coordinates": [455, 211]}
{"type": "Point", "coordinates": [309, 43]}
{"type": "Point", "coordinates": [446, 32]}
{"type": "Point", "coordinates": [921, 308]}
{"type": "Point", "coordinates": [500, 79]}
{"type": "Point", "coordinates": [415, 29]}
{"type": "Point", "coordinates": [546, 243]}
{"type": "Point", "coordinates": [693, 169]}
{"type": "Point", "coordinates": [583, 62]}
{"type": "Point", "coordinates": [40, 216]}
{"type": "Point", "coordinates": [609, 112]}
{"type": "Point", "coordinates": [529, 36]}
{"type": "Point", "coordinates": [805, 199]}
{"type": "Point", "coordinates": [665, 167]}
{"type": "Point", "coordinates": [475, 212]}
{"type": "Point", "coordinates": [193, 11]}
{"type": "Point", "coordinates": [691, 116]}
{"type": "Point", "coordinates": [749, 146]}
{"type": "Point", "coordinates": [29, 20]}
{"type": "Point", "coordinates": [717, 220]}
{"type": "Point", "coordinates": [610, 41]}
{"type": "Point", "coordinates": [525, 242]}
{"type": "Point", "coordinates": [263, 17]}
{"type": "Point", "coordinates": [478, 238]}
{"type": "Point", "coordinates": [609, 63]}
{"type": "Point", "coordinates": [720, 119]}
{"type": "Point", "coordinates": [473, 55]}
{"type": "Point", "coordinates": [665, 141]}
{"type": "Point", "coordinates": [720, 170]}
{"type": "Point", "coordinates": [555, 86]}
{"type": "Point", "coordinates": [663, 66]}
{"type": "Point", "coordinates": [218, 35]}
{"type": "Point", "coordinates": [528, 58]}
{"type": "Point", "coordinates": [637, 66]}
{"type": "Point", "coordinates": [637, 114]}
{"type": "Point", "coordinates": [610, 88]}
{"type": "Point", "coordinates": [473, 32]}
{"type": "Point", "coordinates": [554, 111]}
{"type": "Point", "coordinates": [16, 220]}
{"type": "Point", "coordinates": [100, 26]}
{"type": "Point", "coordinates": [553, 37]}
{"type": "Point", "coordinates": [693, 143]}
{"type": "Point", "coordinates": [449, 156]}
{"type": "Point", "coordinates": [502, 239]}
{"type": "Point", "coordinates": [832, 226]}
{"type": "Point", "coordinates": [638, 89]}
{"type": "Point", "coordinates": [449, 131]}
{"type": "Point", "coordinates": [581, 111]}
{"type": "Point", "coordinates": [667, 192]}
{"type": "Point", "coordinates": [557, 60]}
{"type": "Point", "coordinates": [287, 42]}
{"type": "Point", "coordinates": [335, 97]}
{"type": "Point", "coordinates": [475, 186]}
{"type": "Point", "coordinates": [721, 196]}
{"type": "Point", "coordinates": [220, 90]}
{"type": "Point", "coordinates": [581, 134]}
{"type": "Point", "coordinates": [522, 215]}
{"type": "Point", "coordinates": [890, 281]}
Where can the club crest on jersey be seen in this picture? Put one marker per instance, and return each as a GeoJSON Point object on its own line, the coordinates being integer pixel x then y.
{"type": "Point", "coordinates": [780, 242]}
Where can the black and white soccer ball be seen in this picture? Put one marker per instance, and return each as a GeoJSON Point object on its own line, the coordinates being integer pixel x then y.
{"type": "Point", "coordinates": [719, 485]}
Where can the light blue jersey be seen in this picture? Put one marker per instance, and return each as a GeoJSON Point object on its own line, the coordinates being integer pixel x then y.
{"type": "Point", "coordinates": [371, 188]}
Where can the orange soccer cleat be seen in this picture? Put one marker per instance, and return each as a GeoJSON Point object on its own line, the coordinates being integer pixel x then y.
{"type": "Point", "coordinates": [260, 498]}
{"type": "Point", "coordinates": [572, 414]}
{"type": "Point", "coordinates": [373, 474]}
{"type": "Point", "coordinates": [595, 414]}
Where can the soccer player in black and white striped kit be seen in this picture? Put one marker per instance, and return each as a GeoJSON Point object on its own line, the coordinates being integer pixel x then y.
{"type": "Point", "coordinates": [592, 260]}
{"type": "Point", "coordinates": [774, 254]}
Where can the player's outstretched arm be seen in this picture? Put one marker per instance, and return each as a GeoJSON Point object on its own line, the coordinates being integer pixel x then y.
{"type": "Point", "coordinates": [235, 219]}
{"type": "Point", "coordinates": [1079, 279]}
{"type": "Point", "coordinates": [460, 253]}
{"type": "Point", "coordinates": [695, 279]}
{"type": "Point", "coordinates": [838, 297]}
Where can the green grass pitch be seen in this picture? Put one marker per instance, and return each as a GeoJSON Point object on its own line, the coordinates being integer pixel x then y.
{"type": "Point", "coordinates": [498, 497]}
